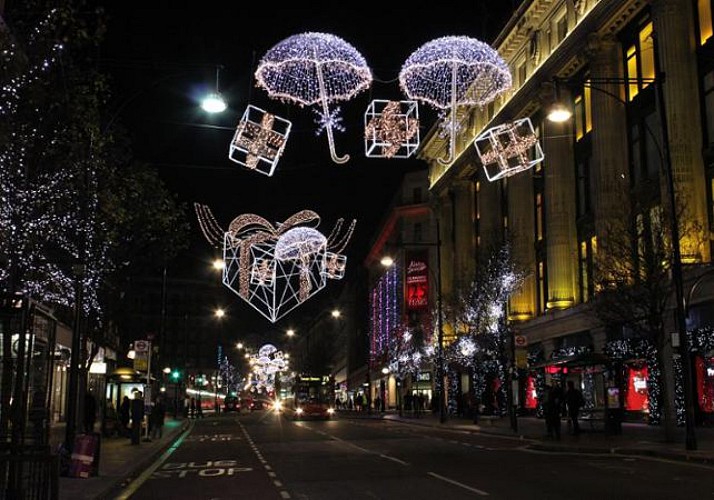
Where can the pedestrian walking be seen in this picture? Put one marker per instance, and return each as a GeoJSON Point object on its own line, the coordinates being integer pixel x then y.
{"type": "Point", "coordinates": [137, 416]}
{"type": "Point", "coordinates": [158, 414]}
{"type": "Point", "coordinates": [192, 408]}
{"type": "Point", "coordinates": [125, 415]}
{"type": "Point", "coordinates": [552, 409]}
{"type": "Point", "coordinates": [574, 401]}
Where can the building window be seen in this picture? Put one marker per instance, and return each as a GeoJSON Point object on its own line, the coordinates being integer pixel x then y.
{"type": "Point", "coordinates": [640, 61]}
{"type": "Point", "coordinates": [522, 72]}
{"type": "Point", "coordinates": [646, 154]}
{"type": "Point", "coordinates": [561, 28]}
{"type": "Point", "coordinates": [478, 200]}
{"type": "Point", "coordinates": [711, 201]}
{"type": "Point", "coordinates": [416, 195]}
{"type": "Point", "coordinates": [588, 252]}
{"type": "Point", "coordinates": [418, 232]}
{"type": "Point", "coordinates": [704, 10]}
{"type": "Point", "coordinates": [583, 186]}
{"type": "Point", "coordinates": [539, 216]}
{"type": "Point", "coordinates": [709, 105]}
{"type": "Point", "coordinates": [541, 286]}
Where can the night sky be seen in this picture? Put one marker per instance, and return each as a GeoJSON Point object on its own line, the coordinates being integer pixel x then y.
{"type": "Point", "coordinates": [161, 59]}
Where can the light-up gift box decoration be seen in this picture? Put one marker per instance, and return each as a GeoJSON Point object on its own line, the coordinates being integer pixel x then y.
{"type": "Point", "coordinates": [275, 268]}
{"type": "Point", "coordinates": [391, 129]}
{"type": "Point", "coordinates": [259, 140]}
{"type": "Point", "coordinates": [508, 149]}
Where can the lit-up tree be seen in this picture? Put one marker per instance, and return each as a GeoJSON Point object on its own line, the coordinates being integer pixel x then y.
{"type": "Point", "coordinates": [68, 194]}
{"type": "Point", "coordinates": [480, 316]}
{"type": "Point", "coordinates": [64, 193]}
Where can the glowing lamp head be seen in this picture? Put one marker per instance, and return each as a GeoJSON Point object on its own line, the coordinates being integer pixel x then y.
{"type": "Point", "coordinates": [336, 313]}
{"type": "Point", "coordinates": [213, 103]}
{"type": "Point", "coordinates": [387, 261]}
{"type": "Point", "coordinates": [219, 313]}
{"type": "Point", "coordinates": [559, 113]}
{"type": "Point", "coordinates": [218, 264]}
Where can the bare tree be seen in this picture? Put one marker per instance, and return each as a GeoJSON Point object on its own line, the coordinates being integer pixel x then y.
{"type": "Point", "coordinates": [631, 278]}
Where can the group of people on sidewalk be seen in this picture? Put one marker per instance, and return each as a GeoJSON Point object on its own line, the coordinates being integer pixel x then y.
{"type": "Point", "coordinates": [131, 413]}
{"type": "Point", "coordinates": [559, 403]}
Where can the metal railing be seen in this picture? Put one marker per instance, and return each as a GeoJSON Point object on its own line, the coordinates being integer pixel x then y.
{"type": "Point", "coordinates": [28, 473]}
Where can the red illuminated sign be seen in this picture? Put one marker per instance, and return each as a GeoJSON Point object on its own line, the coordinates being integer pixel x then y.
{"type": "Point", "coordinates": [416, 293]}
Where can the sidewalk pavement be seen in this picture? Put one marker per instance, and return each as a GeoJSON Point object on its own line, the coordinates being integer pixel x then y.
{"type": "Point", "coordinates": [119, 462]}
{"type": "Point", "coordinates": [636, 438]}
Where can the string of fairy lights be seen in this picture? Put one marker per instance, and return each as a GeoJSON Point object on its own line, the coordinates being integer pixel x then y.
{"type": "Point", "coordinates": [49, 202]}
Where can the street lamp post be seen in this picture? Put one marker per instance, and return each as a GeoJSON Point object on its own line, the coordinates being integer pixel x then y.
{"type": "Point", "coordinates": [677, 278]}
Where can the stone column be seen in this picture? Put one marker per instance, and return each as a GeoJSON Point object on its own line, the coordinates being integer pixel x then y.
{"type": "Point", "coordinates": [464, 251]}
{"type": "Point", "coordinates": [491, 219]}
{"type": "Point", "coordinates": [609, 166]}
{"type": "Point", "coordinates": [521, 222]}
{"type": "Point", "coordinates": [560, 210]}
{"type": "Point", "coordinates": [676, 49]}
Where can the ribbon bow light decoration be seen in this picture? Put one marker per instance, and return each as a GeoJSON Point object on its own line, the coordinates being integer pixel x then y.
{"type": "Point", "coordinates": [275, 268]}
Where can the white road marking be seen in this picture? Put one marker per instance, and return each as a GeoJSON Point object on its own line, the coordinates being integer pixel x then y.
{"type": "Point", "coordinates": [394, 459]}
{"type": "Point", "coordinates": [461, 485]}
{"type": "Point", "coordinates": [268, 468]}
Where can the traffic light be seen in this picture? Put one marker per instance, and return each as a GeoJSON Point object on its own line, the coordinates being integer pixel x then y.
{"type": "Point", "coordinates": [175, 375]}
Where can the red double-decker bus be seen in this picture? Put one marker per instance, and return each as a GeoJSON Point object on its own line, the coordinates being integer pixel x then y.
{"type": "Point", "coordinates": [313, 397]}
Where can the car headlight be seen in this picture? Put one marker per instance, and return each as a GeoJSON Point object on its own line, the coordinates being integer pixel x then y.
{"type": "Point", "coordinates": [277, 406]}
{"type": "Point", "coordinates": [330, 411]}
{"type": "Point", "coordinates": [298, 411]}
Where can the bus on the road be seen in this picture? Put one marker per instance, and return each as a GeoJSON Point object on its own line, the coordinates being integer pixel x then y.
{"type": "Point", "coordinates": [313, 396]}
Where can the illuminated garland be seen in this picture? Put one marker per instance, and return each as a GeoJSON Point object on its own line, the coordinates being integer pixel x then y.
{"type": "Point", "coordinates": [384, 313]}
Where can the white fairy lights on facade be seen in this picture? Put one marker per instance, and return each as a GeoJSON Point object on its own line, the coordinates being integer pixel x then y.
{"type": "Point", "coordinates": [454, 71]}
{"type": "Point", "coordinates": [315, 69]}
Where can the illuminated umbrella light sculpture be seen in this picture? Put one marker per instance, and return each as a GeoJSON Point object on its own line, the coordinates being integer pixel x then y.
{"type": "Point", "coordinates": [275, 268]}
{"type": "Point", "coordinates": [454, 71]}
{"type": "Point", "coordinates": [315, 69]}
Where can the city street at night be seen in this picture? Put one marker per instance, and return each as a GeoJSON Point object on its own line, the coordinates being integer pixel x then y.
{"type": "Point", "coordinates": [357, 250]}
{"type": "Point", "coordinates": [263, 455]}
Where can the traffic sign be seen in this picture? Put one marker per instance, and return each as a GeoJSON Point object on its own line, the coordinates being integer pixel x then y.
{"type": "Point", "coordinates": [520, 341]}
{"type": "Point", "coordinates": [141, 346]}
